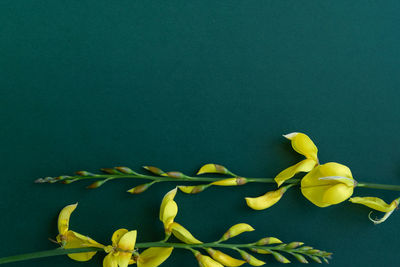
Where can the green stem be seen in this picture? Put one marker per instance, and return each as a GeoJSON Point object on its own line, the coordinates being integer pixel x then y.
{"type": "Point", "coordinates": [186, 178]}
{"type": "Point", "coordinates": [61, 251]}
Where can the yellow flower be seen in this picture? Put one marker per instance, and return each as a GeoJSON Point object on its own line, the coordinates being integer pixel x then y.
{"type": "Point", "coordinates": [224, 259]}
{"type": "Point", "coordinates": [168, 212]}
{"type": "Point", "coordinates": [328, 184]}
{"type": "Point", "coordinates": [302, 144]}
{"type": "Point", "coordinates": [377, 204]}
{"type": "Point", "coordinates": [153, 257]}
{"type": "Point", "coordinates": [120, 253]}
{"type": "Point", "coordinates": [69, 239]}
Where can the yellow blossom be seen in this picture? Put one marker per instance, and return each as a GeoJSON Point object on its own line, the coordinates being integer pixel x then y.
{"type": "Point", "coordinates": [377, 204]}
{"type": "Point", "coordinates": [302, 144]}
{"type": "Point", "coordinates": [168, 210]}
{"type": "Point", "coordinates": [120, 253]}
{"type": "Point", "coordinates": [69, 239]}
{"type": "Point", "coordinates": [328, 184]}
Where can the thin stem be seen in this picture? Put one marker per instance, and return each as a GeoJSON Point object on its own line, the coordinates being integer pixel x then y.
{"type": "Point", "coordinates": [191, 247]}
{"type": "Point", "coordinates": [380, 186]}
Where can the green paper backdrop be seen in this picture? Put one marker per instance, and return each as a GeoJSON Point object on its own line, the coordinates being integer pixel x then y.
{"type": "Point", "coordinates": [176, 84]}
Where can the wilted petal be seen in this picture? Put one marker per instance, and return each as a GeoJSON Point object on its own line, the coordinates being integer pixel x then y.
{"type": "Point", "coordinates": [63, 218]}
{"type": "Point", "coordinates": [267, 200]}
{"type": "Point", "coordinates": [76, 240]}
{"type": "Point", "coordinates": [153, 257]}
{"type": "Point", "coordinates": [303, 166]}
{"type": "Point", "coordinates": [375, 203]}
{"type": "Point", "coordinates": [302, 144]}
{"type": "Point", "coordinates": [183, 234]}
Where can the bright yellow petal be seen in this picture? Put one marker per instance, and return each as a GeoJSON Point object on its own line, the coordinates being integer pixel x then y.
{"type": "Point", "coordinates": [117, 236]}
{"type": "Point", "coordinates": [75, 240]}
{"type": "Point", "coordinates": [169, 213]}
{"type": "Point", "coordinates": [127, 241]}
{"type": "Point", "coordinates": [224, 259]}
{"type": "Point", "coordinates": [375, 203]}
{"type": "Point", "coordinates": [110, 261]}
{"type": "Point", "coordinates": [237, 229]}
{"type": "Point", "coordinates": [212, 168]}
{"type": "Point", "coordinates": [303, 166]}
{"type": "Point", "coordinates": [123, 259]}
{"type": "Point", "coordinates": [267, 200]}
{"type": "Point", "coordinates": [183, 234]}
{"type": "Point", "coordinates": [169, 196]}
{"type": "Point", "coordinates": [153, 257]}
{"type": "Point", "coordinates": [302, 144]}
{"type": "Point", "coordinates": [328, 184]}
{"type": "Point", "coordinates": [63, 218]}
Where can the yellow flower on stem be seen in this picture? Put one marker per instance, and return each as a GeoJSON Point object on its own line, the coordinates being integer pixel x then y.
{"type": "Point", "coordinates": [168, 212]}
{"type": "Point", "coordinates": [328, 184]}
{"type": "Point", "coordinates": [302, 144]}
{"type": "Point", "coordinates": [69, 239]}
{"type": "Point", "coordinates": [120, 253]}
{"type": "Point", "coordinates": [377, 204]}
{"type": "Point", "coordinates": [268, 199]}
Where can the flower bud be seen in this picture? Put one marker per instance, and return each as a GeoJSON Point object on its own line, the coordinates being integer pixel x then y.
{"type": "Point", "coordinates": [140, 188]}
{"type": "Point", "coordinates": [231, 181]}
{"type": "Point", "coordinates": [268, 241]}
{"type": "Point", "coordinates": [206, 261]}
{"type": "Point", "coordinates": [224, 259]}
{"type": "Point", "coordinates": [213, 168]}
{"type": "Point", "coordinates": [155, 170]}
{"type": "Point", "coordinates": [250, 259]}
{"type": "Point", "coordinates": [153, 256]}
{"type": "Point", "coordinates": [84, 173]}
{"type": "Point", "coordinates": [125, 170]}
{"type": "Point", "coordinates": [96, 184]}
{"type": "Point", "coordinates": [260, 251]}
{"type": "Point", "coordinates": [279, 257]}
{"type": "Point", "coordinates": [237, 229]}
{"type": "Point", "coordinates": [176, 175]}
{"type": "Point", "coordinates": [300, 258]}
{"type": "Point", "coordinates": [110, 171]}
{"type": "Point", "coordinates": [193, 189]}
{"type": "Point", "coordinates": [183, 234]}
{"type": "Point", "coordinates": [294, 245]}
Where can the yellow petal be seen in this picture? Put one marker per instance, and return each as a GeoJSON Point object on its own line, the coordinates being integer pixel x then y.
{"type": "Point", "coordinates": [303, 166]}
{"type": "Point", "coordinates": [212, 168]}
{"type": "Point", "coordinates": [237, 229]}
{"type": "Point", "coordinates": [153, 257]}
{"type": "Point", "coordinates": [375, 203]}
{"type": "Point", "coordinates": [231, 181]}
{"type": "Point", "coordinates": [302, 144]}
{"type": "Point", "coordinates": [268, 241]}
{"type": "Point", "coordinates": [63, 218]}
{"type": "Point", "coordinates": [169, 196]}
{"type": "Point", "coordinates": [110, 261]}
{"type": "Point", "coordinates": [206, 261]}
{"type": "Point", "coordinates": [183, 234]}
{"type": "Point", "coordinates": [170, 212]}
{"type": "Point", "coordinates": [75, 240]}
{"type": "Point", "coordinates": [224, 259]}
{"type": "Point", "coordinates": [123, 259]}
{"type": "Point", "coordinates": [117, 236]}
{"type": "Point", "coordinates": [267, 200]}
{"type": "Point", "coordinates": [127, 241]}
{"type": "Point", "coordinates": [328, 184]}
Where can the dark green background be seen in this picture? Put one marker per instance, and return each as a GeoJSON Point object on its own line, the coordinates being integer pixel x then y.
{"type": "Point", "coordinates": [176, 84]}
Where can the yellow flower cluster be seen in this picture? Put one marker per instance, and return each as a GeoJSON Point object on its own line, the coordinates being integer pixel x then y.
{"type": "Point", "coordinates": [120, 254]}
{"type": "Point", "coordinates": [324, 185]}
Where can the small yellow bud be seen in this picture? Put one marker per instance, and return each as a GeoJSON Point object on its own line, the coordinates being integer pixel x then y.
{"type": "Point", "coordinates": [293, 245]}
{"type": "Point", "coordinates": [251, 259]}
{"type": "Point", "coordinates": [260, 251]}
{"type": "Point", "coordinates": [175, 175]}
{"type": "Point", "coordinates": [237, 229]}
{"type": "Point", "coordinates": [279, 257]}
{"type": "Point", "coordinates": [213, 168]}
{"type": "Point", "coordinates": [183, 234]}
{"type": "Point", "coordinates": [155, 170]}
{"type": "Point", "coordinates": [267, 200]}
{"type": "Point", "coordinates": [224, 259]}
{"type": "Point", "coordinates": [193, 189]}
{"type": "Point", "coordinates": [231, 181]}
{"type": "Point", "coordinates": [140, 188]}
{"type": "Point", "coordinates": [125, 170]}
{"type": "Point", "coordinates": [206, 261]}
{"type": "Point", "coordinates": [268, 241]}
